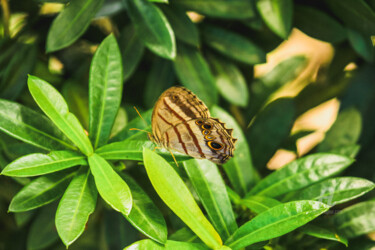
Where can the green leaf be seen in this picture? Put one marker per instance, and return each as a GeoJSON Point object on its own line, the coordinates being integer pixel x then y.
{"type": "Point", "coordinates": [356, 220]}
{"type": "Point", "coordinates": [219, 8]}
{"type": "Point", "coordinates": [276, 221]}
{"type": "Point", "coordinates": [111, 187]}
{"type": "Point", "coordinates": [42, 232]}
{"type": "Point", "coordinates": [184, 234]}
{"type": "Point", "coordinates": [55, 107]}
{"type": "Point", "coordinates": [229, 81]}
{"type": "Point", "coordinates": [153, 28]}
{"type": "Point", "coordinates": [362, 44]}
{"type": "Point", "coordinates": [194, 73]}
{"type": "Point", "coordinates": [39, 164]}
{"type": "Point", "coordinates": [169, 245]}
{"type": "Point", "coordinates": [350, 150]}
{"type": "Point", "coordinates": [232, 45]}
{"type": "Point", "coordinates": [356, 15]}
{"type": "Point", "coordinates": [145, 215]}
{"type": "Point", "coordinates": [175, 194]}
{"type": "Point", "coordinates": [270, 129]}
{"type": "Point", "coordinates": [182, 25]}
{"type": "Point", "coordinates": [105, 90]}
{"type": "Point", "coordinates": [239, 169]}
{"type": "Point", "coordinates": [31, 127]}
{"type": "Point", "coordinates": [132, 48]}
{"type": "Point", "coordinates": [41, 191]}
{"type": "Point", "coordinates": [301, 173]}
{"type": "Point", "coordinates": [259, 204]}
{"type": "Point", "coordinates": [71, 23]}
{"type": "Point", "coordinates": [120, 122]}
{"type": "Point", "coordinates": [75, 207]}
{"type": "Point", "coordinates": [278, 15]}
{"type": "Point", "coordinates": [324, 27]}
{"type": "Point", "coordinates": [211, 190]}
{"type": "Point", "coordinates": [345, 131]}
{"type": "Point", "coordinates": [336, 190]}
{"type": "Point", "coordinates": [323, 233]}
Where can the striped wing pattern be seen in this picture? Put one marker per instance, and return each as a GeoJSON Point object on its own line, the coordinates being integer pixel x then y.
{"type": "Point", "coordinates": [182, 122]}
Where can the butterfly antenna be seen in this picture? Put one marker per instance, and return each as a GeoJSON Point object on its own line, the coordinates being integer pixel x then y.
{"type": "Point", "coordinates": [173, 157]}
{"type": "Point", "coordinates": [139, 130]}
{"type": "Point", "coordinates": [140, 116]}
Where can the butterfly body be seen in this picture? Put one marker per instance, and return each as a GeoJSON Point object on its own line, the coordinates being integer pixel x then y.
{"type": "Point", "coordinates": [182, 122]}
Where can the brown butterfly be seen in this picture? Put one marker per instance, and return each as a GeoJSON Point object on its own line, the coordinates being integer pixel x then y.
{"type": "Point", "coordinates": [181, 122]}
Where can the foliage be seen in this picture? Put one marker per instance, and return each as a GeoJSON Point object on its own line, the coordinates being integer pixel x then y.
{"type": "Point", "coordinates": [74, 174]}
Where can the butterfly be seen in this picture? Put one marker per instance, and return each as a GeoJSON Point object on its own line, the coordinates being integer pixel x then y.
{"type": "Point", "coordinates": [181, 121]}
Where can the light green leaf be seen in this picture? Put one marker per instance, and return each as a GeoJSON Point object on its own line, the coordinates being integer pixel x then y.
{"type": "Point", "coordinates": [153, 28]}
{"type": "Point", "coordinates": [41, 191]}
{"type": "Point", "coordinates": [259, 204]}
{"type": "Point", "coordinates": [169, 245]}
{"type": "Point", "coordinates": [71, 23]}
{"type": "Point", "coordinates": [211, 190]}
{"type": "Point", "coordinates": [75, 207]}
{"type": "Point", "coordinates": [105, 90]}
{"type": "Point", "coordinates": [175, 194]}
{"type": "Point", "coordinates": [278, 15]}
{"type": "Point", "coordinates": [55, 107]}
{"type": "Point", "coordinates": [301, 173]}
{"type": "Point", "coordinates": [111, 187]}
{"type": "Point", "coordinates": [276, 221]}
{"type": "Point", "coordinates": [39, 164]}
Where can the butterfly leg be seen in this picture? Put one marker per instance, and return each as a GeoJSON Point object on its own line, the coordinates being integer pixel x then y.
{"type": "Point", "coordinates": [173, 157]}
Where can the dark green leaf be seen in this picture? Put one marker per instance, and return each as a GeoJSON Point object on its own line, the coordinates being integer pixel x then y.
{"type": "Point", "coordinates": [55, 107]}
{"type": "Point", "coordinates": [31, 127]}
{"type": "Point", "coordinates": [175, 194]}
{"type": "Point", "coordinates": [301, 173]}
{"type": "Point", "coordinates": [41, 191]}
{"type": "Point", "coordinates": [111, 187]}
{"type": "Point", "coordinates": [120, 122]}
{"type": "Point", "coordinates": [278, 15]}
{"type": "Point", "coordinates": [75, 207]}
{"type": "Point", "coordinates": [362, 44]}
{"type": "Point", "coordinates": [153, 27]}
{"type": "Point", "coordinates": [219, 8]}
{"type": "Point", "coordinates": [169, 245]}
{"type": "Point", "coordinates": [39, 164]}
{"type": "Point", "coordinates": [269, 129]}
{"type": "Point", "coordinates": [356, 220]}
{"type": "Point", "coordinates": [194, 73]}
{"type": "Point", "coordinates": [71, 23]}
{"type": "Point", "coordinates": [336, 190]}
{"type": "Point", "coordinates": [323, 233]}
{"type": "Point", "coordinates": [211, 190]}
{"type": "Point", "coordinates": [232, 45]}
{"type": "Point", "coordinates": [324, 27]}
{"type": "Point", "coordinates": [275, 222]}
{"type": "Point", "coordinates": [184, 234]}
{"type": "Point", "coordinates": [259, 204]}
{"type": "Point", "coordinates": [239, 169]}
{"type": "Point", "coordinates": [105, 90]}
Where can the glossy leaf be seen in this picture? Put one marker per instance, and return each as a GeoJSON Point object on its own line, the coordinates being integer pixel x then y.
{"type": "Point", "coordinates": [145, 215]}
{"type": "Point", "coordinates": [75, 207]}
{"type": "Point", "coordinates": [105, 90]}
{"type": "Point", "coordinates": [175, 194]}
{"type": "Point", "coordinates": [219, 8]}
{"type": "Point", "coordinates": [132, 48]}
{"type": "Point", "coordinates": [31, 127]}
{"type": "Point", "coordinates": [239, 169]}
{"type": "Point", "coordinates": [39, 164]}
{"type": "Point", "coordinates": [301, 173]}
{"type": "Point", "coordinates": [362, 44]}
{"type": "Point", "coordinates": [324, 27]}
{"type": "Point", "coordinates": [336, 190]}
{"type": "Point", "coordinates": [194, 73]}
{"type": "Point", "coordinates": [323, 233]}
{"type": "Point", "coordinates": [270, 129]}
{"type": "Point", "coordinates": [169, 245]}
{"type": "Point", "coordinates": [40, 191]}
{"type": "Point", "coordinates": [232, 45]}
{"type": "Point", "coordinates": [259, 204]}
{"type": "Point", "coordinates": [55, 107]}
{"type": "Point", "coordinates": [71, 23]}
{"type": "Point", "coordinates": [153, 28]}
{"type": "Point", "coordinates": [229, 81]}
{"type": "Point", "coordinates": [275, 222]}
{"type": "Point", "coordinates": [210, 187]}
{"type": "Point", "coordinates": [111, 187]}
{"type": "Point", "coordinates": [184, 29]}
{"type": "Point", "coordinates": [278, 15]}
{"type": "Point", "coordinates": [356, 220]}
